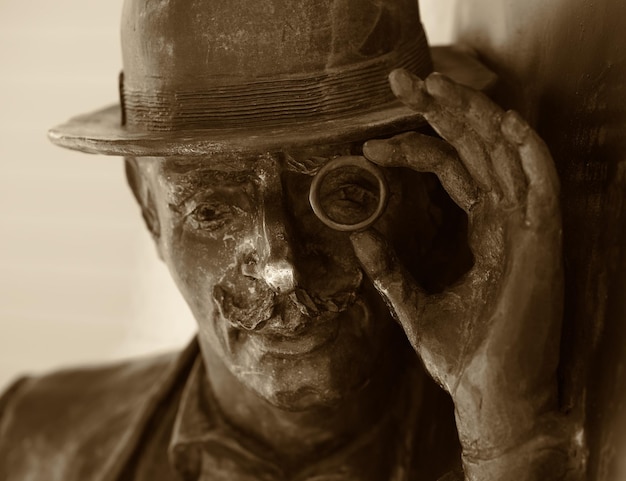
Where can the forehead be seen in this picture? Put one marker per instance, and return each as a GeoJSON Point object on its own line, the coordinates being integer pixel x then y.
{"type": "Point", "coordinates": [178, 179]}
{"type": "Point", "coordinates": [182, 176]}
{"type": "Point", "coordinates": [306, 160]}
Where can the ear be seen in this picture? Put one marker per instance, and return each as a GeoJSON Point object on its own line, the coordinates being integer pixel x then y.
{"type": "Point", "coordinates": [140, 186]}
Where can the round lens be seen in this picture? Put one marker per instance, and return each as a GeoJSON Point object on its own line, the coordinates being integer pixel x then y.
{"type": "Point", "coordinates": [348, 193]}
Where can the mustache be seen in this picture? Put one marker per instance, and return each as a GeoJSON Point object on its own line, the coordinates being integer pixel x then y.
{"type": "Point", "coordinates": [252, 311]}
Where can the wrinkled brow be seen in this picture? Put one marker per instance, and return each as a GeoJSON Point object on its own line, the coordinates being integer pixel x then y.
{"type": "Point", "coordinates": [306, 166]}
{"type": "Point", "coordinates": [306, 160]}
{"type": "Point", "coordinates": [215, 163]}
{"type": "Point", "coordinates": [309, 160]}
{"type": "Point", "coordinates": [183, 186]}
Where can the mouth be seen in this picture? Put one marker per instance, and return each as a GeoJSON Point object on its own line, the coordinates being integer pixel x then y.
{"type": "Point", "coordinates": [291, 332]}
{"type": "Point", "coordinates": [306, 340]}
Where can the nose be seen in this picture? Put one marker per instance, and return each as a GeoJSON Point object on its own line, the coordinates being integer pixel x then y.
{"type": "Point", "coordinates": [277, 269]}
{"type": "Point", "coordinates": [273, 261]}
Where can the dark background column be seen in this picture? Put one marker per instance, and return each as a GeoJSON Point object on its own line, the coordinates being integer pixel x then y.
{"type": "Point", "coordinates": [563, 66]}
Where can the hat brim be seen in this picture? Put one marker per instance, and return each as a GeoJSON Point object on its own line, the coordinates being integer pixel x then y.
{"type": "Point", "coordinates": [101, 132]}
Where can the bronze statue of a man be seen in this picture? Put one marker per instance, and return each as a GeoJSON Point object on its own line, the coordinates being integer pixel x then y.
{"type": "Point", "coordinates": [326, 304]}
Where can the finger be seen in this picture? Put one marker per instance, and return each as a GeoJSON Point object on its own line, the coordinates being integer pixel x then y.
{"type": "Point", "coordinates": [436, 326]}
{"type": "Point", "coordinates": [448, 121]}
{"type": "Point", "coordinates": [391, 279]}
{"type": "Point", "coordinates": [484, 117]}
{"type": "Point", "coordinates": [490, 157]}
{"type": "Point", "coordinates": [425, 153]}
{"type": "Point", "coordinates": [472, 123]}
{"type": "Point", "coordinates": [411, 90]}
{"type": "Point", "coordinates": [482, 114]}
{"type": "Point", "coordinates": [538, 166]}
{"type": "Point", "coordinates": [508, 171]}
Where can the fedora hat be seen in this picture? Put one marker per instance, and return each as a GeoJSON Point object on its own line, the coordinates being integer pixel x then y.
{"type": "Point", "coordinates": [207, 76]}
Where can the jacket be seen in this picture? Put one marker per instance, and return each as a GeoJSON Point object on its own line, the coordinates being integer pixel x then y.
{"type": "Point", "coordinates": [85, 424]}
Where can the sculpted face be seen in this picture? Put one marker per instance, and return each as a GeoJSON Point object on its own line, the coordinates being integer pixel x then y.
{"type": "Point", "coordinates": [279, 297]}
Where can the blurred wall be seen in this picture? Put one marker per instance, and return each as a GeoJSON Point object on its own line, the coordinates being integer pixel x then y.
{"type": "Point", "coordinates": [79, 279]}
{"type": "Point", "coordinates": [563, 65]}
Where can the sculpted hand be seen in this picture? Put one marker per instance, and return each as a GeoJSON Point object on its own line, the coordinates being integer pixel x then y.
{"type": "Point", "coordinates": [491, 340]}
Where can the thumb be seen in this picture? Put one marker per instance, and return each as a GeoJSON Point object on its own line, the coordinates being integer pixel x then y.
{"type": "Point", "coordinates": [391, 279]}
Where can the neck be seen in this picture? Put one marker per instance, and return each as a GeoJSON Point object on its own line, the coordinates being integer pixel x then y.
{"type": "Point", "coordinates": [298, 438]}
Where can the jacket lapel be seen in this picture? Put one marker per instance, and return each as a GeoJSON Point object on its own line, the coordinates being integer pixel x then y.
{"type": "Point", "coordinates": [137, 419]}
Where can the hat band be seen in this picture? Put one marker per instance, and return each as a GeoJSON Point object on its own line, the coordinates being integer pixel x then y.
{"type": "Point", "coordinates": [334, 93]}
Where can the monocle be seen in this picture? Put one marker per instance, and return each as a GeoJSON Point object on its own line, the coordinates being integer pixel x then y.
{"type": "Point", "coordinates": [364, 168]}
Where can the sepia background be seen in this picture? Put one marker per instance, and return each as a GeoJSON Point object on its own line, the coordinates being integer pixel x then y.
{"type": "Point", "coordinates": [79, 278]}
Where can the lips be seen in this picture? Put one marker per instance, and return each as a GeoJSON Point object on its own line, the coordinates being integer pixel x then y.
{"type": "Point", "coordinates": [311, 338]}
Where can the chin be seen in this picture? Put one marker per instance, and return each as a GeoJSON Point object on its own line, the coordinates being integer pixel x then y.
{"type": "Point", "coordinates": [331, 373]}
{"type": "Point", "coordinates": [304, 399]}
{"type": "Point", "coordinates": [305, 394]}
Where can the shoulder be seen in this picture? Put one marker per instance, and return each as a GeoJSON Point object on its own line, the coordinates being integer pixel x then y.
{"type": "Point", "coordinates": [78, 393]}
{"type": "Point", "coordinates": [65, 424]}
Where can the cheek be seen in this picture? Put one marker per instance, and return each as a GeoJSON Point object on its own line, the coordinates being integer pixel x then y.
{"type": "Point", "coordinates": [199, 262]}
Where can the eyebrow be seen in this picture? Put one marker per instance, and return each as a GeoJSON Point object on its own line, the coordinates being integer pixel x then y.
{"type": "Point", "coordinates": [307, 166]}
{"type": "Point", "coordinates": [217, 163]}
{"type": "Point", "coordinates": [310, 161]}
{"type": "Point", "coordinates": [185, 186]}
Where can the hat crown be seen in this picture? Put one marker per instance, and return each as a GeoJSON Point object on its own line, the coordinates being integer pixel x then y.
{"type": "Point", "coordinates": [188, 40]}
{"type": "Point", "coordinates": [202, 63]}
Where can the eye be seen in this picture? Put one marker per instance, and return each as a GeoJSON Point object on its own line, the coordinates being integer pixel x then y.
{"type": "Point", "coordinates": [349, 197]}
{"type": "Point", "coordinates": [212, 216]}
{"type": "Point", "coordinates": [353, 196]}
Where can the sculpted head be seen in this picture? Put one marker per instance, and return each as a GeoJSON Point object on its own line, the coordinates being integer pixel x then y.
{"type": "Point", "coordinates": [279, 297]}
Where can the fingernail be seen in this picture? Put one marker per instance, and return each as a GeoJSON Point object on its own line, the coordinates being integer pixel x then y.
{"type": "Point", "coordinates": [408, 88]}
{"type": "Point", "coordinates": [401, 82]}
{"type": "Point", "coordinates": [441, 86]}
{"type": "Point", "coordinates": [377, 150]}
{"type": "Point", "coordinates": [514, 127]}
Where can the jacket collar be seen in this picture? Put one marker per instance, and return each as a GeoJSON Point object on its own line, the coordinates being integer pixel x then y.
{"type": "Point", "coordinates": [143, 411]}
